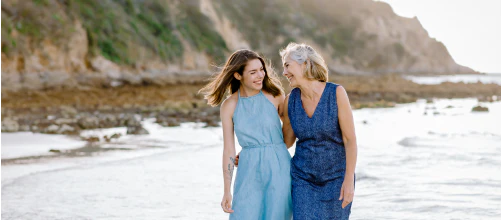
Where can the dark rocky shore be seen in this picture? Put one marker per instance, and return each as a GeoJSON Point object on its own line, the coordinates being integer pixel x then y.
{"type": "Point", "coordinates": [71, 111]}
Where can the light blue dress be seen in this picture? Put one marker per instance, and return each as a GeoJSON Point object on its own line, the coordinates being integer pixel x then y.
{"type": "Point", "coordinates": [262, 187]}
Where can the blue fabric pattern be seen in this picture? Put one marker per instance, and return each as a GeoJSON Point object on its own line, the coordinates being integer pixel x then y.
{"type": "Point", "coordinates": [262, 188]}
{"type": "Point", "coordinates": [318, 166]}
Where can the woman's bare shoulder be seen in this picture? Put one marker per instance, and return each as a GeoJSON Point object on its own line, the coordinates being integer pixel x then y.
{"type": "Point", "coordinates": [229, 103]}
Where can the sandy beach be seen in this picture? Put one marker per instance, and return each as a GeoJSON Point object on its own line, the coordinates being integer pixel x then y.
{"type": "Point", "coordinates": [442, 162]}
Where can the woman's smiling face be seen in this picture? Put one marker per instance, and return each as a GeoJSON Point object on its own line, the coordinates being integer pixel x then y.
{"type": "Point", "coordinates": [294, 72]}
{"type": "Point", "coordinates": [253, 75]}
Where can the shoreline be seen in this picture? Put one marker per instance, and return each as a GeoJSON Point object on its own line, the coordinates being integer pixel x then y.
{"type": "Point", "coordinates": [71, 111]}
{"type": "Point", "coordinates": [436, 143]}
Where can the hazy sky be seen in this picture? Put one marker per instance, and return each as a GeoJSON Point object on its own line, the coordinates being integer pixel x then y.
{"type": "Point", "coordinates": [470, 29]}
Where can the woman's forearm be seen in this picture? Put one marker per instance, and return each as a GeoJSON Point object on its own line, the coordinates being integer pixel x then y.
{"type": "Point", "coordinates": [289, 137]}
{"type": "Point", "coordinates": [288, 133]}
{"type": "Point", "coordinates": [228, 169]}
{"type": "Point", "coordinates": [351, 157]}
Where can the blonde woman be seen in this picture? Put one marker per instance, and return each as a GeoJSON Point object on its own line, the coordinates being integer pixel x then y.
{"type": "Point", "coordinates": [318, 113]}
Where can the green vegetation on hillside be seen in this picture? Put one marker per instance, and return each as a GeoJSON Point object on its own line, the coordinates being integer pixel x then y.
{"type": "Point", "coordinates": [116, 29]}
{"type": "Point", "coordinates": [130, 31]}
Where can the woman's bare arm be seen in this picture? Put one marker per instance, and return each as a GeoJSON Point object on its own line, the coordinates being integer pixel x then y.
{"type": "Point", "coordinates": [346, 122]}
{"type": "Point", "coordinates": [287, 130]}
{"type": "Point", "coordinates": [226, 112]}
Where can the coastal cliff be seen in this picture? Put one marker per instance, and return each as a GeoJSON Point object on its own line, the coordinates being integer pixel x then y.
{"type": "Point", "coordinates": [72, 44]}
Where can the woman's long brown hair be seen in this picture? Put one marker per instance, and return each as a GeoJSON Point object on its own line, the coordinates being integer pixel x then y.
{"type": "Point", "coordinates": [225, 81]}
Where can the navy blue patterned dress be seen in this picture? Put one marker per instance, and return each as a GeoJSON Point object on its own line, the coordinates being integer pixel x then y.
{"type": "Point", "coordinates": [318, 166]}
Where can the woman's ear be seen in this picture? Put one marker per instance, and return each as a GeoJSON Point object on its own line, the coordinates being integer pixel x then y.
{"type": "Point", "coordinates": [237, 76]}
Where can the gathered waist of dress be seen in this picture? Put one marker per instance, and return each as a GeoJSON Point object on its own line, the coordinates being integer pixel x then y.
{"type": "Point", "coordinates": [264, 145]}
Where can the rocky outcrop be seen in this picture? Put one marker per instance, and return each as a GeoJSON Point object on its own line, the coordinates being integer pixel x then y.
{"type": "Point", "coordinates": [479, 109]}
{"type": "Point", "coordinates": [10, 125]}
{"type": "Point", "coordinates": [137, 130]}
{"type": "Point", "coordinates": [233, 38]}
{"type": "Point", "coordinates": [401, 45]}
{"type": "Point", "coordinates": [53, 44]}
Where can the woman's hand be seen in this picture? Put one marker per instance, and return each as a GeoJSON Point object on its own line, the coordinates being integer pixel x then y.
{"type": "Point", "coordinates": [236, 160]}
{"type": "Point", "coordinates": [226, 203]}
{"type": "Point", "coordinates": [347, 191]}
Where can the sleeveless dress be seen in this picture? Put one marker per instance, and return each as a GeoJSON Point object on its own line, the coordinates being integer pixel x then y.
{"type": "Point", "coordinates": [318, 166]}
{"type": "Point", "coordinates": [262, 188]}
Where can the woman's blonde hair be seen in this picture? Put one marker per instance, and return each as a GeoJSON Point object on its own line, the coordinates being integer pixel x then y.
{"type": "Point", "coordinates": [316, 68]}
{"type": "Point", "coordinates": [225, 81]}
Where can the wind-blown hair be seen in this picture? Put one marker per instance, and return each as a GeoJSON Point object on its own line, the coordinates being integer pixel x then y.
{"type": "Point", "coordinates": [225, 81]}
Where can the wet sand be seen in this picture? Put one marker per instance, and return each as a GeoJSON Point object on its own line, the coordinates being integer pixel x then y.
{"type": "Point", "coordinates": [443, 164]}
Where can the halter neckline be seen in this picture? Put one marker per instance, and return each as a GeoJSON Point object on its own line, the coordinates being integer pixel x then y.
{"type": "Point", "coordinates": [239, 93]}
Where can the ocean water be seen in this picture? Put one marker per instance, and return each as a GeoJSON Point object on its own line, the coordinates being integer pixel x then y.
{"type": "Point", "coordinates": [415, 161]}
{"type": "Point", "coordinates": [466, 78]}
